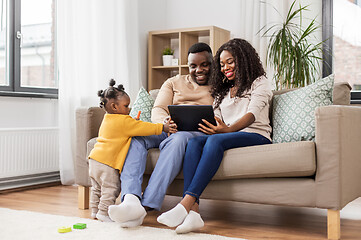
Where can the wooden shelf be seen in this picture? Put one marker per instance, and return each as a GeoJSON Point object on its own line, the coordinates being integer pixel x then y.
{"type": "Point", "coordinates": [180, 40]}
{"type": "Point", "coordinates": [165, 67]}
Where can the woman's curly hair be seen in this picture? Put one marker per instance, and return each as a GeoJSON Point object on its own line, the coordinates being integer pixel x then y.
{"type": "Point", "coordinates": [248, 67]}
{"type": "Point", "coordinates": [110, 93]}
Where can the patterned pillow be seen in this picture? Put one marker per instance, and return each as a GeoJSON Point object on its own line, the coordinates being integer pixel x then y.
{"type": "Point", "coordinates": [144, 102]}
{"type": "Point", "coordinates": [294, 112]}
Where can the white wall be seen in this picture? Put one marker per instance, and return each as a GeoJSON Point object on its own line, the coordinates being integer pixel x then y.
{"type": "Point", "coordinates": [190, 13]}
{"type": "Point", "coordinates": [28, 112]}
{"type": "Point", "coordinates": [226, 14]}
{"type": "Point", "coordinates": [152, 16]}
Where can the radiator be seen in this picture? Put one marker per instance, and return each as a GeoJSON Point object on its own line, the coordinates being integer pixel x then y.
{"type": "Point", "coordinates": [28, 156]}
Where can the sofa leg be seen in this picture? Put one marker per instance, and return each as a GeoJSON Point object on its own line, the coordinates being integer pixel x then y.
{"type": "Point", "coordinates": [83, 197]}
{"type": "Point", "coordinates": [333, 224]}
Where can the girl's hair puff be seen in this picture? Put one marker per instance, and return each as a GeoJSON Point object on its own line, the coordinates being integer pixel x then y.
{"type": "Point", "coordinates": [110, 93]}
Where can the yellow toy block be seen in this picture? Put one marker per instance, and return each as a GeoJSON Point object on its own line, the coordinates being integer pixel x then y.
{"type": "Point", "coordinates": [64, 229]}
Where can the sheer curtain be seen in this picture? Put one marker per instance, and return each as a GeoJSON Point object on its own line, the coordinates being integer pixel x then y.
{"type": "Point", "coordinates": [96, 40]}
{"type": "Point", "coordinates": [257, 14]}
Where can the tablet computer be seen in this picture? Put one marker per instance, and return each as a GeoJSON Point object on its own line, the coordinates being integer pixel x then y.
{"type": "Point", "coordinates": [187, 117]}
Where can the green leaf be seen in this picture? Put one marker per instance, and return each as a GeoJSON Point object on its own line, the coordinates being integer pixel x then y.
{"type": "Point", "coordinates": [168, 51]}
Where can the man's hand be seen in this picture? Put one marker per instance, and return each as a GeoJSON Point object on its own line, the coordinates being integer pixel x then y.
{"type": "Point", "coordinates": [211, 129]}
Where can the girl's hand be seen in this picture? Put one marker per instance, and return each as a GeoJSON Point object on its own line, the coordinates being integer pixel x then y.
{"type": "Point", "coordinates": [138, 115]}
{"type": "Point", "coordinates": [170, 126]}
{"type": "Point", "coordinates": [211, 129]}
{"type": "Point", "coordinates": [166, 119]}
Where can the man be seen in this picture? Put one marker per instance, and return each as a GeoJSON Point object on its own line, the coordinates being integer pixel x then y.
{"type": "Point", "coordinates": [191, 89]}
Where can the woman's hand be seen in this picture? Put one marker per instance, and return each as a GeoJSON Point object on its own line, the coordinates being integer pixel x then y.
{"type": "Point", "coordinates": [211, 129]}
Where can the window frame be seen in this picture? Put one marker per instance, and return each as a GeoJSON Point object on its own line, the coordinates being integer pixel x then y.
{"type": "Point", "coordinates": [14, 89]}
{"type": "Point", "coordinates": [327, 37]}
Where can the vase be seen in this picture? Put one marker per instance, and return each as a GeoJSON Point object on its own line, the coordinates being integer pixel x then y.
{"type": "Point", "coordinates": [167, 60]}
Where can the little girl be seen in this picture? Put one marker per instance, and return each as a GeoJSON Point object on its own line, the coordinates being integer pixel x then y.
{"type": "Point", "coordinates": [108, 155]}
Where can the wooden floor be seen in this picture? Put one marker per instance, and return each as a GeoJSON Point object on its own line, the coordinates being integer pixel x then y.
{"type": "Point", "coordinates": [241, 220]}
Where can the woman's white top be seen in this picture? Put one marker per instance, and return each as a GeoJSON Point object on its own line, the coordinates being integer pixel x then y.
{"type": "Point", "coordinates": [256, 101]}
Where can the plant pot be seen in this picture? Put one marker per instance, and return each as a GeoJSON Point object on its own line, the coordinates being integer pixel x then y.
{"type": "Point", "coordinates": [167, 60]}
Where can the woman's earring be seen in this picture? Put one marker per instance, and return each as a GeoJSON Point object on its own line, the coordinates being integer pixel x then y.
{"type": "Point", "coordinates": [224, 79]}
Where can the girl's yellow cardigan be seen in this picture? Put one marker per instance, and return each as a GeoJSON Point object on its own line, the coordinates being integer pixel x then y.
{"type": "Point", "coordinates": [115, 134]}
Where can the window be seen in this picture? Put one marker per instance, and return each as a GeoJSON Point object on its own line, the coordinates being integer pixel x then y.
{"type": "Point", "coordinates": [358, 2]}
{"type": "Point", "coordinates": [347, 45]}
{"type": "Point", "coordinates": [27, 48]}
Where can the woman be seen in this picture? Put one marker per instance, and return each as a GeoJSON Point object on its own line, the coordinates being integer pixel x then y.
{"type": "Point", "coordinates": [242, 95]}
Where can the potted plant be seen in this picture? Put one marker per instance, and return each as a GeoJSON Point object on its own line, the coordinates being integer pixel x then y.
{"type": "Point", "coordinates": [295, 60]}
{"type": "Point", "coordinates": [167, 56]}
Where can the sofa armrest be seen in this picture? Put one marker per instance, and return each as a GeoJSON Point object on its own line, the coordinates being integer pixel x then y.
{"type": "Point", "coordinates": [338, 139]}
{"type": "Point", "coordinates": [88, 120]}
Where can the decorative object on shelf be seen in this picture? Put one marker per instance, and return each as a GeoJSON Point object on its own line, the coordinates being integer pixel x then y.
{"type": "Point", "coordinates": [175, 62]}
{"type": "Point", "coordinates": [167, 56]}
{"type": "Point", "coordinates": [295, 60]}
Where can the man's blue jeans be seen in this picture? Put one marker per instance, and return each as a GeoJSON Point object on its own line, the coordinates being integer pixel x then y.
{"type": "Point", "coordinates": [204, 154]}
{"type": "Point", "coordinates": [168, 166]}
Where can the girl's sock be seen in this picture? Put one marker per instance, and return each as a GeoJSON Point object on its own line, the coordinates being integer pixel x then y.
{"type": "Point", "coordinates": [192, 222]}
{"type": "Point", "coordinates": [103, 218]}
{"type": "Point", "coordinates": [173, 217]}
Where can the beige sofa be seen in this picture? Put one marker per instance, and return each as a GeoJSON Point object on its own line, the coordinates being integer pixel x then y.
{"type": "Point", "coordinates": [323, 174]}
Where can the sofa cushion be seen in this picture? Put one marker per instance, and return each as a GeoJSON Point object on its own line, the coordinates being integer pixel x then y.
{"type": "Point", "coordinates": [144, 103]}
{"type": "Point", "coordinates": [294, 112]}
{"type": "Point", "coordinates": [294, 159]}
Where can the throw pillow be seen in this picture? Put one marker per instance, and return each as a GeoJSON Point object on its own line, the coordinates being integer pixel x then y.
{"type": "Point", "coordinates": [154, 93]}
{"type": "Point", "coordinates": [294, 112]}
{"type": "Point", "coordinates": [144, 103]}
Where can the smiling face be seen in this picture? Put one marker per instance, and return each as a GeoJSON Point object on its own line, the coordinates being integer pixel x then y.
{"type": "Point", "coordinates": [199, 67]}
{"type": "Point", "coordinates": [228, 64]}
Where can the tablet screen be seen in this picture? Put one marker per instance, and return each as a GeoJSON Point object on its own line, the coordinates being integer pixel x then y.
{"type": "Point", "coordinates": [187, 117]}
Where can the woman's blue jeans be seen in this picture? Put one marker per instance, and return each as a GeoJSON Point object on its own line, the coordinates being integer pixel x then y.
{"type": "Point", "coordinates": [204, 154]}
